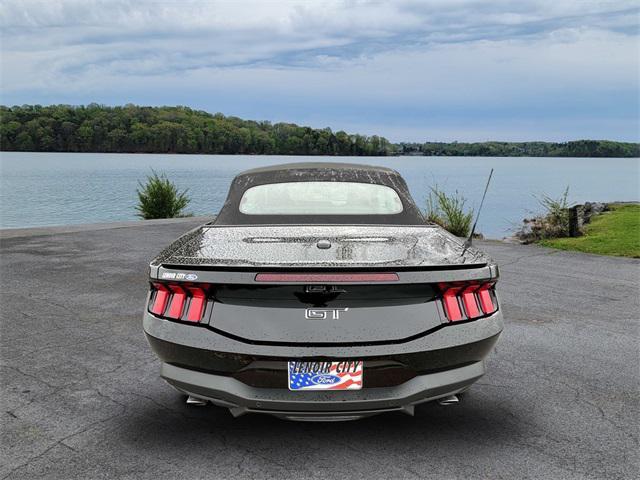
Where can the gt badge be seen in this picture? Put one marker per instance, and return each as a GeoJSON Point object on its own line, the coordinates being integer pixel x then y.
{"type": "Point", "coordinates": [323, 313]}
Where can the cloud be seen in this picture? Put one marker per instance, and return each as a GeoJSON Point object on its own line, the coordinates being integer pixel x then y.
{"type": "Point", "coordinates": [413, 64]}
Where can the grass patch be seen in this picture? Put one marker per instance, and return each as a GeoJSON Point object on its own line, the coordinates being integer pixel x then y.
{"type": "Point", "coordinates": [616, 232]}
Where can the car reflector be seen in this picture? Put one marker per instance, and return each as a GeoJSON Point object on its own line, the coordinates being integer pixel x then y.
{"type": "Point", "coordinates": [326, 277]}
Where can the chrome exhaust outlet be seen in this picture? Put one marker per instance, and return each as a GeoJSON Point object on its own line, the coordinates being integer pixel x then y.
{"type": "Point", "coordinates": [195, 401]}
{"type": "Point", "coordinates": [450, 400]}
{"type": "Point", "coordinates": [409, 410]}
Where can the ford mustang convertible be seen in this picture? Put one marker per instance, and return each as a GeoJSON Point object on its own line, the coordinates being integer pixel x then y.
{"type": "Point", "coordinates": [319, 292]}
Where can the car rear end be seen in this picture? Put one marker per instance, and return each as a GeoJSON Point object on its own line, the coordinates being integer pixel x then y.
{"type": "Point", "coordinates": [321, 293]}
{"type": "Point", "coordinates": [327, 344]}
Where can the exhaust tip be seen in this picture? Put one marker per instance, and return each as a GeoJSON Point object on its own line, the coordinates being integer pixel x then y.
{"type": "Point", "coordinates": [450, 400]}
{"type": "Point", "coordinates": [197, 402]}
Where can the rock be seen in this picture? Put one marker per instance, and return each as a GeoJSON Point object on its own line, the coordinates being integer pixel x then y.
{"type": "Point", "coordinates": [513, 239]}
{"type": "Point", "coordinates": [593, 208]}
{"type": "Point", "coordinates": [546, 226]}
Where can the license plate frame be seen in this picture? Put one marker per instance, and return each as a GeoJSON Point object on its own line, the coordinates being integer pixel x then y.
{"type": "Point", "coordinates": [322, 375]}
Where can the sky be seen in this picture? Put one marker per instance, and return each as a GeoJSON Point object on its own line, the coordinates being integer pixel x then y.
{"type": "Point", "coordinates": [432, 70]}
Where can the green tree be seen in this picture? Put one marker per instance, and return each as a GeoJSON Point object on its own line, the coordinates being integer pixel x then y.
{"type": "Point", "coordinates": [131, 128]}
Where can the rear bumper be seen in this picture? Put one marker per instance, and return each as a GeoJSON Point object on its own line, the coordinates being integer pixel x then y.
{"type": "Point", "coordinates": [247, 377]}
{"type": "Point", "coordinates": [318, 405]}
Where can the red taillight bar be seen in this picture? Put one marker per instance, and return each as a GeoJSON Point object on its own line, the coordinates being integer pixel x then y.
{"type": "Point", "coordinates": [470, 303]}
{"type": "Point", "coordinates": [326, 277]}
{"type": "Point", "coordinates": [196, 307]}
{"type": "Point", "coordinates": [160, 300]}
{"type": "Point", "coordinates": [451, 305]}
{"type": "Point", "coordinates": [177, 301]}
{"type": "Point", "coordinates": [486, 301]}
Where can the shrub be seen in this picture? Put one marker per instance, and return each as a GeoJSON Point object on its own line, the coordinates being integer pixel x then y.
{"type": "Point", "coordinates": [552, 223]}
{"type": "Point", "coordinates": [557, 215]}
{"type": "Point", "coordinates": [448, 212]}
{"type": "Point", "coordinates": [160, 198]}
{"type": "Point", "coordinates": [433, 213]}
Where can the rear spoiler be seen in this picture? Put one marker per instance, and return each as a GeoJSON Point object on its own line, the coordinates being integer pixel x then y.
{"type": "Point", "coordinates": [436, 274]}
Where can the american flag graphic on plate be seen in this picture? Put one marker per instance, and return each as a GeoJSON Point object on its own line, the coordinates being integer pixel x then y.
{"type": "Point", "coordinates": [341, 375]}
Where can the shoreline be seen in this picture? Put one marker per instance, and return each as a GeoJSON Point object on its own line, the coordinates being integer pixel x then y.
{"type": "Point", "coordinates": [20, 232]}
{"type": "Point", "coordinates": [44, 230]}
{"type": "Point", "coordinates": [304, 155]}
{"type": "Point", "coordinates": [6, 233]}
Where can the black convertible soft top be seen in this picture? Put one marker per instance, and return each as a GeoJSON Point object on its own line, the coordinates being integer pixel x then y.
{"type": "Point", "coordinates": [318, 172]}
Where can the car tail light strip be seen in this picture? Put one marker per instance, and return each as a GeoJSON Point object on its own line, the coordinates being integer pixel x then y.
{"type": "Point", "coordinates": [177, 302]}
{"type": "Point", "coordinates": [466, 302]}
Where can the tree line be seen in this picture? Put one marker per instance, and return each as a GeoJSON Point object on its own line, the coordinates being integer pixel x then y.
{"type": "Point", "coordinates": [136, 129]}
{"type": "Point", "coordinates": [578, 148]}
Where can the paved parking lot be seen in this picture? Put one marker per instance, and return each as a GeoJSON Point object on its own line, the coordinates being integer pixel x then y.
{"type": "Point", "coordinates": [81, 396]}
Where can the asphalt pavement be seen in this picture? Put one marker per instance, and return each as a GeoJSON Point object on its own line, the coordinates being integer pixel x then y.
{"type": "Point", "coordinates": [81, 396]}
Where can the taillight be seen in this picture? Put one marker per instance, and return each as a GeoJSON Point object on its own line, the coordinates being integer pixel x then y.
{"type": "Point", "coordinates": [187, 303]}
{"type": "Point", "coordinates": [468, 301]}
{"type": "Point", "coordinates": [486, 297]}
{"type": "Point", "coordinates": [451, 304]}
{"type": "Point", "coordinates": [160, 299]}
{"type": "Point", "coordinates": [177, 302]}
{"type": "Point", "coordinates": [197, 304]}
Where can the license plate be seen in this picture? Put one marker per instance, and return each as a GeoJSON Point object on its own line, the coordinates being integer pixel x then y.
{"type": "Point", "coordinates": [342, 375]}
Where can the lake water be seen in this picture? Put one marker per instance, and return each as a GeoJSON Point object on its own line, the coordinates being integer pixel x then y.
{"type": "Point", "coordinates": [38, 189]}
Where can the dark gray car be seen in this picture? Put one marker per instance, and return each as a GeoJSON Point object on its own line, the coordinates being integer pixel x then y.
{"type": "Point", "coordinates": [320, 293]}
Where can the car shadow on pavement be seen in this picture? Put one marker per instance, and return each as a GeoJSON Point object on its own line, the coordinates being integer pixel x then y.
{"type": "Point", "coordinates": [477, 422]}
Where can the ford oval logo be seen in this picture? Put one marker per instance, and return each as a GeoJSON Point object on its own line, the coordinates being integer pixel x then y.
{"type": "Point", "coordinates": [325, 379]}
{"type": "Point", "coordinates": [191, 276]}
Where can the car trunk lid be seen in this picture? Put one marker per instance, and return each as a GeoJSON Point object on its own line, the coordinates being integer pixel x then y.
{"type": "Point", "coordinates": [319, 247]}
{"type": "Point", "coordinates": [316, 311]}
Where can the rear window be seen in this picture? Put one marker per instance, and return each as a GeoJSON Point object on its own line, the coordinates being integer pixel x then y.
{"type": "Point", "coordinates": [320, 198]}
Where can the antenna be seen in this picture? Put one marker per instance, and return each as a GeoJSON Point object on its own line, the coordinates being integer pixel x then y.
{"type": "Point", "coordinates": [469, 240]}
